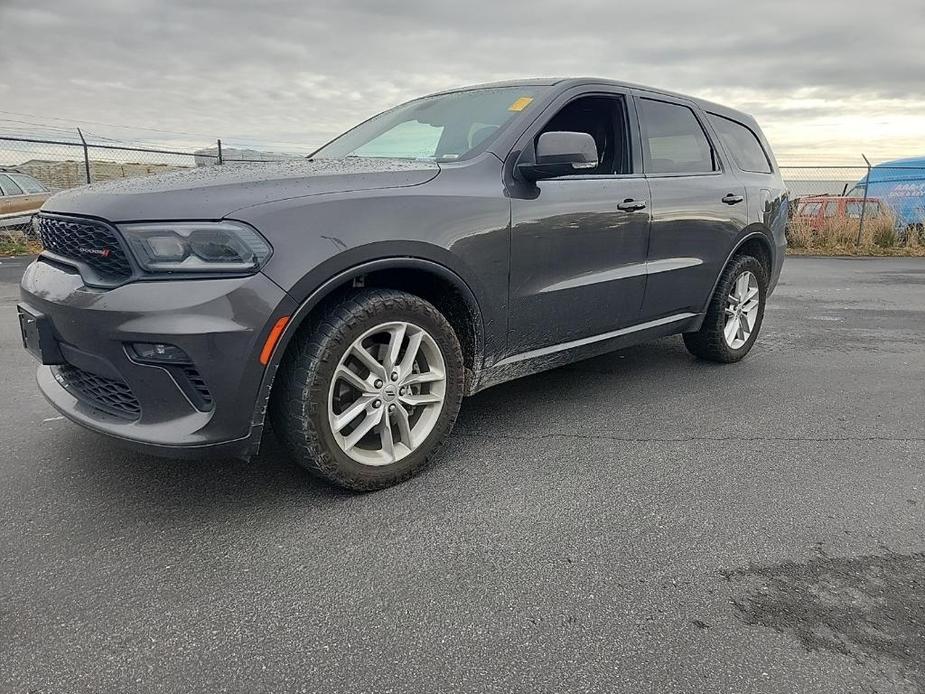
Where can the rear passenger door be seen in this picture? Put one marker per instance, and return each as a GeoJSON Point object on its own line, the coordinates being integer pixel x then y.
{"type": "Point", "coordinates": [698, 206]}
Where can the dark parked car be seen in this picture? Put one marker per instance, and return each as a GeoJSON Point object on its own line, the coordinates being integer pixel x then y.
{"type": "Point", "coordinates": [449, 244]}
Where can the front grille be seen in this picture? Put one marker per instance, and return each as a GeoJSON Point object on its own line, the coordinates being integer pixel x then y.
{"type": "Point", "coordinates": [88, 241]}
{"type": "Point", "coordinates": [109, 395]}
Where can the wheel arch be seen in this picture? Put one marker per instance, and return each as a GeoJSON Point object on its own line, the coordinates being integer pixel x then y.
{"type": "Point", "coordinates": [757, 239]}
{"type": "Point", "coordinates": [431, 280]}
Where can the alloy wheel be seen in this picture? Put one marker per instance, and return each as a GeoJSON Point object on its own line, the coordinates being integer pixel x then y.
{"type": "Point", "coordinates": [387, 393]}
{"type": "Point", "coordinates": [741, 310]}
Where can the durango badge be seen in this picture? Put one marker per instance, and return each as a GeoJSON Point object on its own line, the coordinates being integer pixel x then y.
{"type": "Point", "coordinates": [101, 252]}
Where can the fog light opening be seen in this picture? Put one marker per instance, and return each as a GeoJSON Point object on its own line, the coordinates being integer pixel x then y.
{"type": "Point", "coordinates": [159, 353]}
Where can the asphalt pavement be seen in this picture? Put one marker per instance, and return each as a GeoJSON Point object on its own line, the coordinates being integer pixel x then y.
{"type": "Point", "coordinates": [639, 522]}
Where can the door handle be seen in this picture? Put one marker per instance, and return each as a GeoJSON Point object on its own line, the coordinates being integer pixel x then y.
{"type": "Point", "coordinates": [732, 199]}
{"type": "Point", "coordinates": [630, 205]}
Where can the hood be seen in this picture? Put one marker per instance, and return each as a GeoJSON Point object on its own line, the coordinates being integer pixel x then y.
{"type": "Point", "coordinates": [215, 191]}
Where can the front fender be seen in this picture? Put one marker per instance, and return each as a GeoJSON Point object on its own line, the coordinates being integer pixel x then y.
{"type": "Point", "coordinates": [339, 279]}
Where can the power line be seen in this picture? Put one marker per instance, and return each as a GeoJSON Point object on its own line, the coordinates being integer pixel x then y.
{"type": "Point", "coordinates": [255, 142]}
{"type": "Point", "coordinates": [39, 125]}
{"type": "Point", "coordinates": [109, 125]}
{"type": "Point", "coordinates": [156, 130]}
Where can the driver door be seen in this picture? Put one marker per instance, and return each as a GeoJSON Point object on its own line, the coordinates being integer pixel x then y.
{"type": "Point", "coordinates": [579, 242]}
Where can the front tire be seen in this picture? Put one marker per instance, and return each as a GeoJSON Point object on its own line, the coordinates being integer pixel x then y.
{"type": "Point", "coordinates": [734, 315]}
{"type": "Point", "coordinates": [369, 392]}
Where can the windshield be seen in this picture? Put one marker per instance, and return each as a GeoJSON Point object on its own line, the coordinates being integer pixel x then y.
{"type": "Point", "coordinates": [442, 128]}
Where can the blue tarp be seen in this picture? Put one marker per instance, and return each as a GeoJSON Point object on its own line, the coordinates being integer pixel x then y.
{"type": "Point", "coordinates": [901, 185]}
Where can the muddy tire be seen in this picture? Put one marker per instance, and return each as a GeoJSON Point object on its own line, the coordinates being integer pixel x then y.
{"type": "Point", "coordinates": [368, 391]}
{"type": "Point", "coordinates": [734, 315]}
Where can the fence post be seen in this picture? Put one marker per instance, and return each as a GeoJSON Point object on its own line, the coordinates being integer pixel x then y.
{"type": "Point", "coordinates": [220, 161]}
{"type": "Point", "coordinates": [864, 201]}
{"type": "Point", "coordinates": [86, 155]}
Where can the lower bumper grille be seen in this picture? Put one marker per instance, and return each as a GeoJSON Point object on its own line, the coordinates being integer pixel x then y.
{"type": "Point", "coordinates": [109, 395]}
{"type": "Point", "coordinates": [195, 388]}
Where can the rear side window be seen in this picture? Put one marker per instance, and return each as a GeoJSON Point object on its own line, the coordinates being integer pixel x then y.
{"type": "Point", "coordinates": [744, 145]}
{"type": "Point", "coordinates": [831, 209]}
{"type": "Point", "coordinates": [674, 140]}
{"type": "Point", "coordinates": [810, 209]}
{"type": "Point", "coordinates": [8, 187]}
{"type": "Point", "coordinates": [28, 184]}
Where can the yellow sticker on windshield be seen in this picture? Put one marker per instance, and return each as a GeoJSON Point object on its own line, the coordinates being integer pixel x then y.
{"type": "Point", "coordinates": [520, 104]}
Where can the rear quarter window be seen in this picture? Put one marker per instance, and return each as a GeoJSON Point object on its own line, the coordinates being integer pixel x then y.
{"type": "Point", "coordinates": [742, 143]}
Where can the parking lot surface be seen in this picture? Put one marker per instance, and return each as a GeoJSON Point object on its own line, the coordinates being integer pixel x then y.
{"type": "Point", "coordinates": [638, 522]}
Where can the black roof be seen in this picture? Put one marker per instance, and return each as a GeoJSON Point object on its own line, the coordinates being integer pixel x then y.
{"type": "Point", "coordinates": [567, 82]}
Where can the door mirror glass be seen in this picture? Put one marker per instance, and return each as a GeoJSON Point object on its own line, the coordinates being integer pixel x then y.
{"type": "Point", "coordinates": [561, 154]}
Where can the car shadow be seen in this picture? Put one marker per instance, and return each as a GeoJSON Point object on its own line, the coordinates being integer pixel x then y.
{"type": "Point", "coordinates": [632, 374]}
{"type": "Point", "coordinates": [206, 487]}
{"type": "Point", "coordinates": [108, 470]}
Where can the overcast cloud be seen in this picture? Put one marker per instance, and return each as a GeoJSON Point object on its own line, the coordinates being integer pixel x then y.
{"type": "Point", "coordinates": [827, 80]}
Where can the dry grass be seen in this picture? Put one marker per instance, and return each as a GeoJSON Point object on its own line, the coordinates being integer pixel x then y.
{"type": "Point", "coordinates": [15, 243]}
{"type": "Point", "coordinates": [840, 237]}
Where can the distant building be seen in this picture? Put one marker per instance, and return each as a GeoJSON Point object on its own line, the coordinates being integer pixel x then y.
{"type": "Point", "coordinates": [209, 156]}
{"type": "Point", "coordinates": [69, 173]}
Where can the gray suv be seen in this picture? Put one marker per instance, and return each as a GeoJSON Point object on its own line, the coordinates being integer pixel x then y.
{"type": "Point", "coordinates": [351, 299]}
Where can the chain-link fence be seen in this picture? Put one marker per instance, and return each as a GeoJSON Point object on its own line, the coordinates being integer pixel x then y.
{"type": "Point", "coordinates": [63, 163]}
{"type": "Point", "coordinates": [66, 162]}
{"type": "Point", "coordinates": [880, 204]}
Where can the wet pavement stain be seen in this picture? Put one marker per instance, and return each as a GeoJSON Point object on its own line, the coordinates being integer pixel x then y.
{"type": "Point", "coordinates": [868, 608]}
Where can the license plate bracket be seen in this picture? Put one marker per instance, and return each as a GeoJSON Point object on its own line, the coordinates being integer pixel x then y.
{"type": "Point", "coordinates": [38, 336]}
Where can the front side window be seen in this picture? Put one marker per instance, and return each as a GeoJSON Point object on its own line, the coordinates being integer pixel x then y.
{"type": "Point", "coordinates": [444, 127]}
{"type": "Point", "coordinates": [810, 209]}
{"type": "Point", "coordinates": [674, 140]}
{"type": "Point", "coordinates": [831, 208]}
{"type": "Point", "coordinates": [8, 186]}
{"type": "Point", "coordinates": [744, 145]}
{"type": "Point", "coordinates": [602, 117]}
{"type": "Point", "coordinates": [28, 184]}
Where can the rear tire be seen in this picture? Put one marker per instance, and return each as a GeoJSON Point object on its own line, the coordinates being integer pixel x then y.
{"type": "Point", "coordinates": [733, 321]}
{"type": "Point", "coordinates": [369, 390]}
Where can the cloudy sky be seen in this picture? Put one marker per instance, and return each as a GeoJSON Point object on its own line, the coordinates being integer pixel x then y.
{"type": "Point", "coordinates": [827, 80]}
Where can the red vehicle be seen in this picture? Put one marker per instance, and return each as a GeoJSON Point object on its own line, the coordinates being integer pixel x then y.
{"type": "Point", "coordinates": [817, 210]}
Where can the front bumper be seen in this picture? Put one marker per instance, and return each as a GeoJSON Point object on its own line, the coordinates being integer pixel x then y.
{"type": "Point", "coordinates": [220, 323]}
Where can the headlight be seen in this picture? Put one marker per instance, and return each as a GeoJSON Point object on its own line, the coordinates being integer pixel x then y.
{"type": "Point", "coordinates": [196, 246]}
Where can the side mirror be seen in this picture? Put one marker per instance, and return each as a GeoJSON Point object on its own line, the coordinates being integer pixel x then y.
{"type": "Point", "coordinates": [560, 154]}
